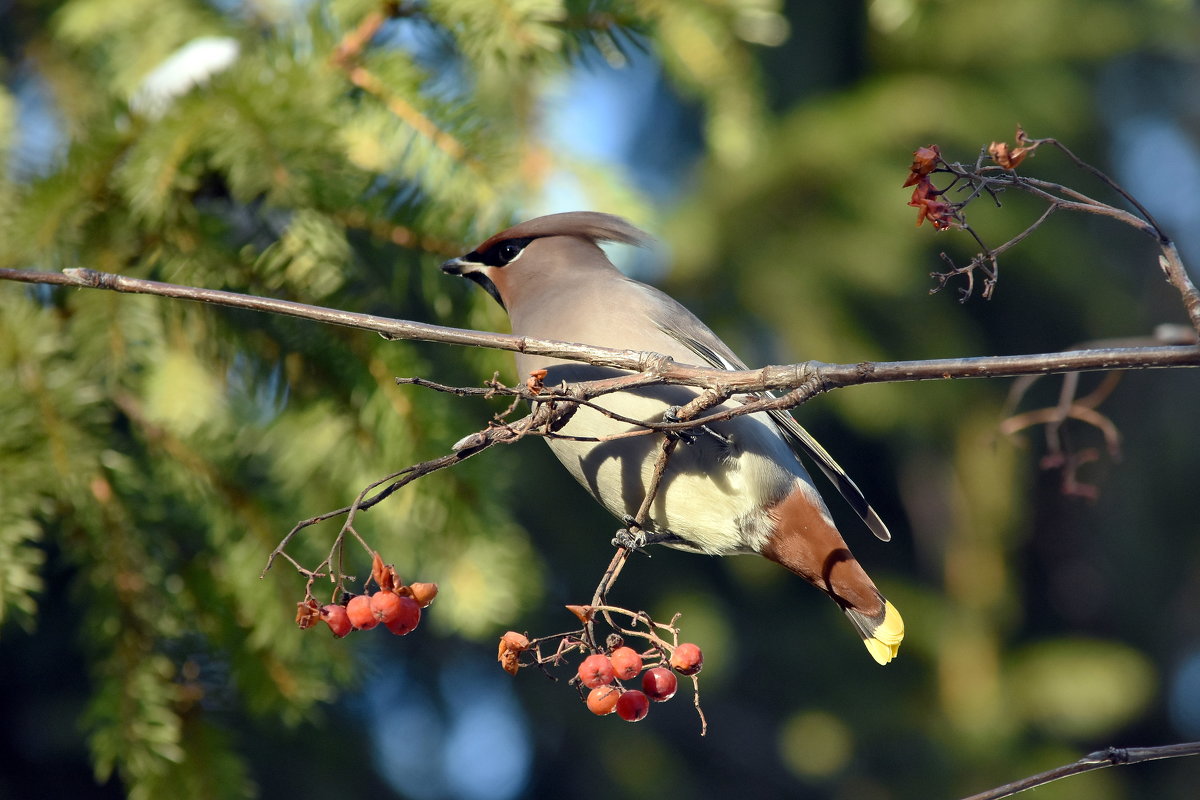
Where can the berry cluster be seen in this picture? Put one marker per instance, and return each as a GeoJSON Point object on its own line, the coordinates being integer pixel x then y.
{"type": "Point", "coordinates": [395, 605]}
{"type": "Point", "coordinates": [603, 675]}
{"type": "Point", "coordinates": [600, 676]}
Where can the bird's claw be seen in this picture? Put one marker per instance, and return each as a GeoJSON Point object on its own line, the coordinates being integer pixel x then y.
{"type": "Point", "coordinates": [631, 537]}
{"type": "Point", "coordinates": [686, 436]}
{"type": "Point", "coordinates": [634, 537]}
{"type": "Point", "coordinates": [691, 435]}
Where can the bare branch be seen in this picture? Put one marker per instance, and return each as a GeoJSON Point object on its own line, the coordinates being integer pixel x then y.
{"type": "Point", "coordinates": [1111, 757]}
{"type": "Point", "coordinates": [1177, 276]}
{"type": "Point", "coordinates": [813, 377]}
{"type": "Point", "coordinates": [1103, 178]}
{"type": "Point", "coordinates": [995, 178]}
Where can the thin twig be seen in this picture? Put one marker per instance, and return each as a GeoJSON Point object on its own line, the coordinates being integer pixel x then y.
{"type": "Point", "coordinates": [994, 179]}
{"type": "Point", "coordinates": [1111, 757]}
{"type": "Point", "coordinates": [470, 446]}
{"type": "Point", "coordinates": [1109, 182]}
{"type": "Point", "coordinates": [639, 519]}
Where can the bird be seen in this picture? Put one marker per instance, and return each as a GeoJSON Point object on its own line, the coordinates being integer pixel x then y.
{"type": "Point", "coordinates": [734, 486]}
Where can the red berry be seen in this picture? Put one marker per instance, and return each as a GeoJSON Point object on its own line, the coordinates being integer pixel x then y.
{"type": "Point", "coordinates": [339, 623]}
{"type": "Point", "coordinates": [626, 663]}
{"type": "Point", "coordinates": [659, 684]}
{"type": "Point", "coordinates": [603, 700]}
{"type": "Point", "coordinates": [687, 659]}
{"type": "Point", "coordinates": [596, 670]}
{"type": "Point", "coordinates": [632, 706]}
{"type": "Point", "coordinates": [385, 605]}
{"type": "Point", "coordinates": [359, 611]}
{"type": "Point", "coordinates": [408, 616]}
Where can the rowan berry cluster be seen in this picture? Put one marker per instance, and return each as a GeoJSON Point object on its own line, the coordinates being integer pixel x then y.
{"type": "Point", "coordinates": [602, 675]}
{"type": "Point", "coordinates": [396, 605]}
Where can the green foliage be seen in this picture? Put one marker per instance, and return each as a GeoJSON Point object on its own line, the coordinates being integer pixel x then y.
{"type": "Point", "coordinates": [162, 450]}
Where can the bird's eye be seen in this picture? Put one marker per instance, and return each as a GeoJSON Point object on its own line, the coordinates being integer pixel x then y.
{"type": "Point", "coordinates": [502, 253]}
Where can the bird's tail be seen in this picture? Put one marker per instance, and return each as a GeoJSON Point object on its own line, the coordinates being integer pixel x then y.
{"type": "Point", "coordinates": [804, 539]}
{"type": "Point", "coordinates": [881, 633]}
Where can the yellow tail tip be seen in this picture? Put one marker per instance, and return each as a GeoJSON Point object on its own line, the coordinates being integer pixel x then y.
{"type": "Point", "coordinates": [885, 639]}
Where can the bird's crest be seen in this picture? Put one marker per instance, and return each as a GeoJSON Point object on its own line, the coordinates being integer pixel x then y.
{"type": "Point", "coordinates": [591, 225]}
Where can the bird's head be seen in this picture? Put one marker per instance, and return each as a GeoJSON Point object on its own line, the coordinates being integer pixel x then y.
{"type": "Point", "coordinates": [526, 256]}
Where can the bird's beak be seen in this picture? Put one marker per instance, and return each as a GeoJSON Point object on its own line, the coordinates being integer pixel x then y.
{"type": "Point", "coordinates": [472, 271]}
{"type": "Point", "coordinates": [456, 266]}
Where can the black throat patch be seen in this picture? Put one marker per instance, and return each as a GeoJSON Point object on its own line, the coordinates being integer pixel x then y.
{"type": "Point", "coordinates": [486, 283]}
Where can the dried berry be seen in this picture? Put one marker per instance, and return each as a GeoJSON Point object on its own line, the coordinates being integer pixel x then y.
{"type": "Point", "coordinates": [687, 659]}
{"type": "Point", "coordinates": [596, 670]}
{"type": "Point", "coordinates": [512, 644]}
{"type": "Point", "coordinates": [307, 613]}
{"type": "Point", "coordinates": [423, 593]}
{"type": "Point", "coordinates": [659, 684]}
{"type": "Point", "coordinates": [925, 161]}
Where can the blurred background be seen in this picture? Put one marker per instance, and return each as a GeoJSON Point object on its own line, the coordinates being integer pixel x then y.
{"type": "Point", "coordinates": [152, 452]}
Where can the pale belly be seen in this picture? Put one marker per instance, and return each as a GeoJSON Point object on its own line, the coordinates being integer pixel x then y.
{"type": "Point", "coordinates": [713, 493]}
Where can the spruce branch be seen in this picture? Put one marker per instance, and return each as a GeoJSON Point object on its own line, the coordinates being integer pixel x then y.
{"type": "Point", "coordinates": [412, 116]}
{"type": "Point", "coordinates": [347, 56]}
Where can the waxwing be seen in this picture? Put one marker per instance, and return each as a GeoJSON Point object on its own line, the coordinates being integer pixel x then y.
{"type": "Point", "coordinates": [739, 487]}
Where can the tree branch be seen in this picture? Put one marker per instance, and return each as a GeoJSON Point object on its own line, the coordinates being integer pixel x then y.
{"type": "Point", "coordinates": [808, 378]}
{"type": "Point", "coordinates": [993, 180]}
{"type": "Point", "coordinates": [1111, 757]}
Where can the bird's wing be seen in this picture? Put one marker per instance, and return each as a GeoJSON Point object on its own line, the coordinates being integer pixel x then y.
{"type": "Point", "coordinates": [704, 343]}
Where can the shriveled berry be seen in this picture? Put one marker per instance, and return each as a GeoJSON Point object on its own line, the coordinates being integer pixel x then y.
{"type": "Point", "coordinates": [307, 613]}
{"type": "Point", "coordinates": [659, 684]}
{"type": "Point", "coordinates": [385, 605]}
{"type": "Point", "coordinates": [336, 617]}
{"type": "Point", "coordinates": [359, 611]}
{"type": "Point", "coordinates": [408, 616]}
{"type": "Point", "coordinates": [633, 706]}
{"type": "Point", "coordinates": [687, 659]}
{"type": "Point", "coordinates": [424, 593]}
{"type": "Point", "coordinates": [603, 700]}
{"type": "Point", "coordinates": [626, 662]}
{"type": "Point", "coordinates": [596, 670]}
{"type": "Point", "coordinates": [512, 644]}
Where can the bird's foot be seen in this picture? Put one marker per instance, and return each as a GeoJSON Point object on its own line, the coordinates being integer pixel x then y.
{"type": "Point", "coordinates": [635, 537]}
{"type": "Point", "coordinates": [632, 536]}
{"type": "Point", "coordinates": [688, 436]}
{"type": "Point", "coordinates": [691, 435]}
